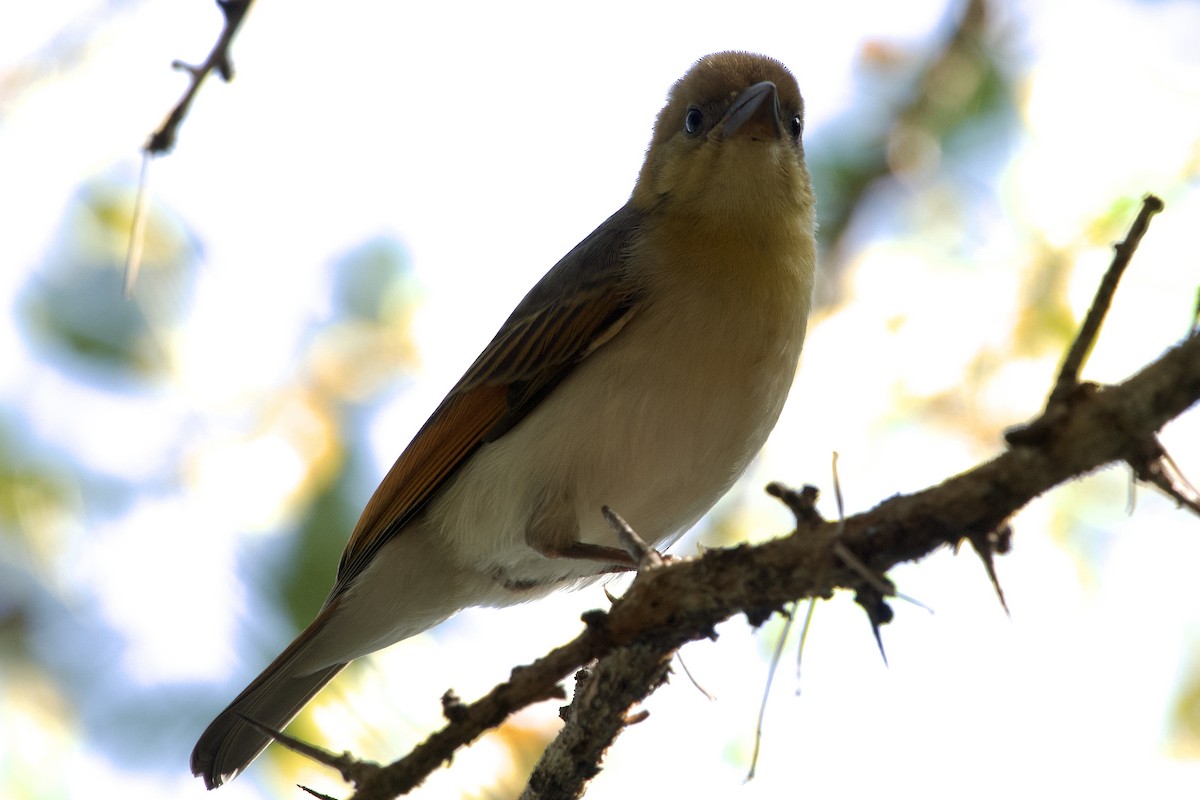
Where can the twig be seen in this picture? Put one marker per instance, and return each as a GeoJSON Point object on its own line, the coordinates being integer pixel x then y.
{"type": "Point", "coordinates": [526, 686]}
{"type": "Point", "coordinates": [802, 503]}
{"type": "Point", "coordinates": [1146, 455]}
{"type": "Point", "coordinates": [1068, 374]}
{"type": "Point", "coordinates": [804, 629]}
{"type": "Point", "coordinates": [986, 546]}
{"type": "Point", "coordinates": [352, 769]}
{"type": "Point", "coordinates": [137, 228]}
{"type": "Point", "coordinates": [692, 678]}
{"type": "Point", "coordinates": [645, 556]}
{"type": "Point", "coordinates": [776, 657]}
{"type": "Point", "coordinates": [876, 581]}
{"type": "Point", "coordinates": [1161, 471]}
{"type": "Point", "coordinates": [163, 139]}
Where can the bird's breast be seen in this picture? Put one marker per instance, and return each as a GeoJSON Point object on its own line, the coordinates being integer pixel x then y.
{"type": "Point", "coordinates": [657, 423]}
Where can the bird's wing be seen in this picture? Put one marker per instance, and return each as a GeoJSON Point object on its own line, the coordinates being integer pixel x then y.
{"type": "Point", "coordinates": [578, 306]}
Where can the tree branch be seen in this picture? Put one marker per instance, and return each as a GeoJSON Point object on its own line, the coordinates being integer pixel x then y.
{"type": "Point", "coordinates": [683, 600]}
{"type": "Point", "coordinates": [1068, 374]}
{"type": "Point", "coordinates": [163, 139]}
{"type": "Point", "coordinates": [600, 711]}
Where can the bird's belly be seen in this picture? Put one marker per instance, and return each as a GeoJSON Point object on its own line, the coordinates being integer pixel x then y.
{"type": "Point", "coordinates": [658, 434]}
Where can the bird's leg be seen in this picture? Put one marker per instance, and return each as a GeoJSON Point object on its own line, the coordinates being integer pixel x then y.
{"type": "Point", "coordinates": [617, 559]}
{"type": "Point", "coordinates": [553, 532]}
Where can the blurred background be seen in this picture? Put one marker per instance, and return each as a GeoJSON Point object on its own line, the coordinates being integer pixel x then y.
{"type": "Point", "coordinates": [342, 228]}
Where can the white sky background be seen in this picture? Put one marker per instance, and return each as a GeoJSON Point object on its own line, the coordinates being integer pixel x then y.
{"type": "Point", "coordinates": [490, 139]}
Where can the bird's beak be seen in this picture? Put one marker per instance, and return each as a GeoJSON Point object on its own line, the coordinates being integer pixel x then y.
{"type": "Point", "coordinates": [755, 113]}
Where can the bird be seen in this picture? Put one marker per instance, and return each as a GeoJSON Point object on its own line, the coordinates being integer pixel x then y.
{"type": "Point", "coordinates": [643, 372]}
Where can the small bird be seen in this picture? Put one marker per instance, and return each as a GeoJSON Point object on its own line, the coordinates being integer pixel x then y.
{"type": "Point", "coordinates": [644, 371]}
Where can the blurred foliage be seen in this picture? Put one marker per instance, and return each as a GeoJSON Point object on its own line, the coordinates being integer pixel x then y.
{"type": "Point", "coordinates": [523, 746]}
{"type": "Point", "coordinates": [371, 283]}
{"type": "Point", "coordinates": [1045, 321]}
{"type": "Point", "coordinates": [72, 312]}
{"type": "Point", "coordinates": [37, 501]}
{"type": "Point", "coordinates": [361, 350]}
{"type": "Point", "coordinates": [355, 355]}
{"type": "Point", "coordinates": [74, 306]}
{"type": "Point", "coordinates": [319, 539]}
{"type": "Point", "coordinates": [929, 113]}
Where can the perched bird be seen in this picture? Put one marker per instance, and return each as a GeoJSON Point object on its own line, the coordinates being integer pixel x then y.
{"type": "Point", "coordinates": [643, 372]}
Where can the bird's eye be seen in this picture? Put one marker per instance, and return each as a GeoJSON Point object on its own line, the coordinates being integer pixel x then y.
{"type": "Point", "coordinates": [693, 120]}
{"type": "Point", "coordinates": [797, 126]}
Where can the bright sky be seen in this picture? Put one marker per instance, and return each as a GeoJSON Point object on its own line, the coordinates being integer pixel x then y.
{"type": "Point", "coordinates": [489, 138]}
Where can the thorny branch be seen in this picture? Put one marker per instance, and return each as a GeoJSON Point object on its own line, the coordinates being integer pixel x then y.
{"type": "Point", "coordinates": [685, 599]}
{"type": "Point", "coordinates": [163, 138]}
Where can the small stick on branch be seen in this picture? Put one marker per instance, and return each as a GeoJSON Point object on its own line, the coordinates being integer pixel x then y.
{"type": "Point", "coordinates": [353, 770]}
{"type": "Point", "coordinates": [1067, 385]}
{"type": "Point", "coordinates": [645, 556]}
{"type": "Point", "coordinates": [1068, 374]}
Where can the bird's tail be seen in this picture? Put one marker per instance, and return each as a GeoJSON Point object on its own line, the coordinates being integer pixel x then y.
{"type": "Point", "coordinates": [230, 743]}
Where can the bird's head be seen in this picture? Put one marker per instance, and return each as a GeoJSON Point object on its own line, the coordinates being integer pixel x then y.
{"type": "Point", "coordinates": [727, 144]}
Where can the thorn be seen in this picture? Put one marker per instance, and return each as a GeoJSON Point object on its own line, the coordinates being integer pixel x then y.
{"type": "Point", "coordinates": [315, 793]}
{"type": "Point", "coordinates": [224, 68]}
{"type": "Point", "coordinates": [913, 601]}
{"type": "Point", "coordinates": [1131, 499]}
{"type": "Point", "coordinates": [879, 613]}
{"type": "Point", "coordinates": [880, 583]}
{"type": "Point", "coordinates": [692, 678]}
{"type": "Point", "coordinates": [137, 229]}
{"type": "Point", "coordinates": [837, 492]}
{"type": "Point", "coordinates": [998, 540]}
{"type": "Point", "coordinates": [1157, 468]}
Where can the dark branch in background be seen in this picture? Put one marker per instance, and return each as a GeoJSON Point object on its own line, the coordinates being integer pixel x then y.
{"type": "Point", "coordinates": [163, 139]}
{"type": "Point", "coordinates": [685, 599]}
{"type": "Point", "coordinates": [957, 83]}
